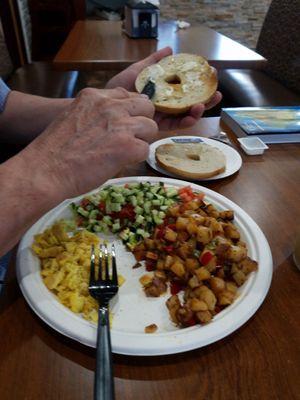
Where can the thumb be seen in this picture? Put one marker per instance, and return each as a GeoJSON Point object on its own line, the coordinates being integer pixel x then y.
{"type": "Point", "coordinates": [154, 57]}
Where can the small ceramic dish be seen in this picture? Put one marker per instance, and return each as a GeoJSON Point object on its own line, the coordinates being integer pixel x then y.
{"type": "Point", "coordinates": [253, 145]}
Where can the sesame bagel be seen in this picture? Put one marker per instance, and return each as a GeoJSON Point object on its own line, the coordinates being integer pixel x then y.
{"type": "Point", "coordinates": [191, 160]}
{"type": "Point", "coordinates": [181, 81]}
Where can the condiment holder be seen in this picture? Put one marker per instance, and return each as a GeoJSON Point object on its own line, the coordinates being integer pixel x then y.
{"type": "Point", "coordinates": [252, 145]}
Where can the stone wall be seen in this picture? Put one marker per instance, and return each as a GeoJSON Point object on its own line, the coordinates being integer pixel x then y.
{"type": "Point", "coordinates": [240, 20]}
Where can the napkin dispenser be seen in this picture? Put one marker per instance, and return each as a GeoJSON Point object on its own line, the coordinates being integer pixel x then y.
{"type": "Point", "coordinates": [141, 19]}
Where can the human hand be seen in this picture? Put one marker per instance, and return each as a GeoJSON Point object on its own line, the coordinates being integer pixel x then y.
{"type": "Point", "coordinates": [126, 79]}
{"type": "Point", "coordinates": [101, 132]}
{"type": "Point", "coordinates": [168, 122]}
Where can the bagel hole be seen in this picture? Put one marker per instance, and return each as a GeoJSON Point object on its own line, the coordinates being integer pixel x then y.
{"type": "Point", "coordinates": [194, 157]}
{"type": "Point", "coordinates": [173, 80]}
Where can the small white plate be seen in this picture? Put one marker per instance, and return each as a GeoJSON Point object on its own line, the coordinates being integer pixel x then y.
{"type": "Point", "coordinates": [233, 159]}
{"type": "Point", "coordinates": [132, 309]}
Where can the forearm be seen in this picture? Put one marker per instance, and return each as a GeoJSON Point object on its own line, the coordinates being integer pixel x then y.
{"type": "Point", "coordinates": [25, 195]}
{"type": "Point", "coordinates": [26, 116]}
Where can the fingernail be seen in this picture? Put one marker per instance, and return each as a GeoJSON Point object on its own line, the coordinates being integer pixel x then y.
{"type": "Point", "coordinates": [145, 96]}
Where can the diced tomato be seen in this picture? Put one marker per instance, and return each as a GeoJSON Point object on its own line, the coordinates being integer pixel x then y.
{"type": "Point", "coordinates": [185, 197]}
{"type": "Point", "coordinates": [191, 322]}
{"type": "Point", "coordinates": [186, 194]}
{"type": "Point", "coordinates": [150, 264]}
{"type": "Point", "coordinates": [101, 206]}
{"type": "Point", "coordinates": [127, 212]}
{"type": "Point", "coordinates": [186, 189]}
{"type": "Point", "coordinates": [160, 232]}
{"type": "Point", "coordinates": [79, 221]}
{"type": "Point", "coordinates": [175, 287]}
{"type": "Point", "coordinates": [84, 203]}
{"type": "Point", "coordinates": [172, 226]}
{"type": "Point", "coordinates": [169, 249]}
{"type": "Point", "coordinates": [206, 257]}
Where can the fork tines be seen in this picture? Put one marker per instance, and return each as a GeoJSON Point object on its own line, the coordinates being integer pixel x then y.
{"type": "Point", "coordinates": [104, 260]}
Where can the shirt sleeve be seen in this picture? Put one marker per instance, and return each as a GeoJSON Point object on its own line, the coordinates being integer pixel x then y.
{"type": "Point", "coordinates": [4, 91]}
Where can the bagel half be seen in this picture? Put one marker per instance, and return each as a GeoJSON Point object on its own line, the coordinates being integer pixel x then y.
{"type": "Point", "coordinates": [181, 81]}
{"type": "Point", "coordinates": [192, 161]}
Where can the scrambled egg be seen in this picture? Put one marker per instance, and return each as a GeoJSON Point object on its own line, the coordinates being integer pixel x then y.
{"type": "Point", "coordinates": [65, 267]}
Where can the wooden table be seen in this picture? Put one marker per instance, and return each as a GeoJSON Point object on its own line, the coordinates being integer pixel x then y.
{"type": "Point", "coordinates": [101, 45]}
{"type": "Point", "coordinates": [260, 361]}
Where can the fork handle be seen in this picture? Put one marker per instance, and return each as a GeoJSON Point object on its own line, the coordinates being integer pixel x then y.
{"type": "Point", "coordinates": [104, 381]}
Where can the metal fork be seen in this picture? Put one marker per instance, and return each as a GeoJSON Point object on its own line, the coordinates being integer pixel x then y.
{"type": "Point", "coordinates": [103, 288]}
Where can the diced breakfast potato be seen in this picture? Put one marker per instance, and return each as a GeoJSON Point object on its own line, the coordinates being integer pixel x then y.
{"type": "Point", "coordinates": [146, 279]}
{"type": "Point", "coordinates": [151, 328]}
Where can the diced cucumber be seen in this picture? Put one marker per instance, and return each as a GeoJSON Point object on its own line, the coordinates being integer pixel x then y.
{"type": "Point", "coordinates": [161, 214]}
{"type": "Point", "coordinates": [118, 197]}
{"type": "Point", "coordinates": [116, 189]}
{"type": "Point", "coordinates": [140, 201]}
{"type": "Point", "coordinates": [157, 220]}
{"type": "Point", "coordinates": [93, 213]}
{"type": "Point", "coordinates": [163, 208]}
{"type": "Point", "coordinates": [143, 233]}
{"type": "Point", "coordinates": [147, 207]}
{"type": "Point", "coordinates": [154, 189]}
{"type": "Point", "coordinates": [149, 195]}
{"type": "Point", "coordinates": [133, 200]}
{"type": "Point", "coordinates": [97, 228]}
{"type": "Point", "coordinates": [169, 202]}
{"type": "Point", "coordinates": [115, 227]}
{"type": "Point", "coordinates": [103, 194]}
{"type": "Point", "coordinates": [94, 201]}
{"type": "Point", "coordinates": [150, 203]}
{"type": "Point", "coordinates": [133, 185]}
{"type": "Point", "coordinates": [171, 192]}
{"type": "Point", "coordinates": [115, 207]}
{"type": "Point", "coordinates": [126, 192]}
{"type": "Point", "coordinates": [138, 210]}
{"type": "Point", "coordinates": [139, 219]}
{"type": "Point", "coordinates": [156, 202]}
{"type": "Point", "coordinates": [82, 212]}
{"type": "Point", "coordinates": [107, 220]}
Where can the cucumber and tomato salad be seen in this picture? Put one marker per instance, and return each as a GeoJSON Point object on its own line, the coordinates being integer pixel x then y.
{"type": "Point", "coordinates": [132, 211]}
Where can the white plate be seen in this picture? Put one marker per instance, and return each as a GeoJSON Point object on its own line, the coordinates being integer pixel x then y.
{"type": "Point", "coordinates": [233, 159]}
{"type": "Point", "coordinates": [133, 310]}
